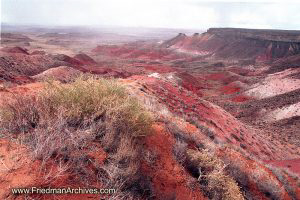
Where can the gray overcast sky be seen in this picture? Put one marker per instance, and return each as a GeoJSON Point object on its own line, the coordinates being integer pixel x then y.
{"type": "Point", "coordinates": [198, 14]}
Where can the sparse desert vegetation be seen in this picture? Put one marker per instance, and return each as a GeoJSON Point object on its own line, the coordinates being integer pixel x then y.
{"type": "Point", "coordinates": [211, 170]}
{"type": "Point", "coordinates": [65, 122]}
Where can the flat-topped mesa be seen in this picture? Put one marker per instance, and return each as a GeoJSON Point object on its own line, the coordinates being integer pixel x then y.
{"type": "Point", "coordinates": [263, 34]}
{"type": "Point", "coordinates": [238, 43]}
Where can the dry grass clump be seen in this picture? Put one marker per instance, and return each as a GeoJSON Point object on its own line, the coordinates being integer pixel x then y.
{"type": "Point", "coordinates": [267, 184]}
{"type": "Point", "coordinates": [179, 151]}
{"type": "Point", "coordinates": [204, 129]}
{"type": "Point", "coordinates": [216, 183]}
{"type": "Point", "coordinates": [283, 176]}
{"type": "Point", "coordinates": [80, 105]}
{"type": "Point", "coordinates": [204, 164]}
{"type": "Point", "coordinates": [64, 121]}
{"type": "Point", "coordinates": [225, 177]}
{"type": "Point", "coordinates": [241, 167]}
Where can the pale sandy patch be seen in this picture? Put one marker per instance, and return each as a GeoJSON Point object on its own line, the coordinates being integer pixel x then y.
{"type": "Point", "coordinates": [283, 113]}
{"type": "Point", "coordinates": [275, 84]}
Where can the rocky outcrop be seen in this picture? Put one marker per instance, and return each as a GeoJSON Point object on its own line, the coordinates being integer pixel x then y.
{"type": "Point", "coordinates": [174, 41]}
{"type": "Point", "coordinates": [61, 73]}
{"type": "Point", "coordinates": [15, 50]}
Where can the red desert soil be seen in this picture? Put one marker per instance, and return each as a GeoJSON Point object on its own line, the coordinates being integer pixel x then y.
{"type": "Point", "coordinates": [293, 165]}
{"type": "Point", "coordinates": [241, 98]}
{"type": "Point", "coordinates": [169, 178]}
{"type": "Point", "coordinates": [223, 125]}
{"type": "Point", "coordinates": [159, 69]}
{"type": "Point", "coordinates": [228, 89]}
{"type": "Point", "coordinates": [216, 77]}
{"type": "Point", "coordinates": [18, 169]}
{"type": "Point", "coordinates": [9, 93]}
